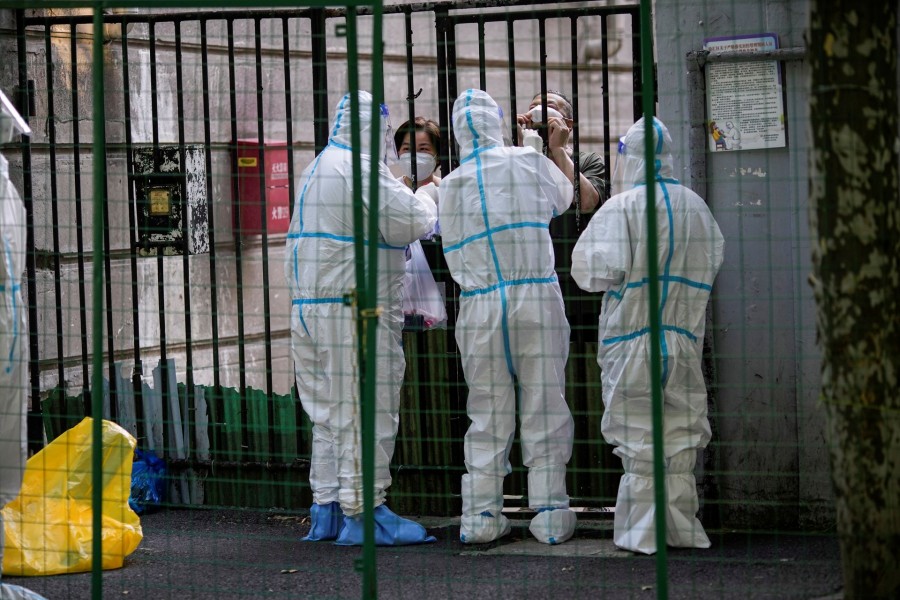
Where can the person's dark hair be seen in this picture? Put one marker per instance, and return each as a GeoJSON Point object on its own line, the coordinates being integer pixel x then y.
{"type": "Point", "coordinates": [421, 124]}
{"type": "Point", "coordinates": [567, 112]}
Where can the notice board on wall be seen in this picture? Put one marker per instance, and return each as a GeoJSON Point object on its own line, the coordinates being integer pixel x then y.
{"type": "Point", "coordinates": [744, 101]}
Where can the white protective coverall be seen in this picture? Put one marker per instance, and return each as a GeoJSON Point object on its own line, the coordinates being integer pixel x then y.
{"type": "Point", "coordinates": [512, 330]}
{"type": "Point", "coordinates": [611, 256]}
{"type": "Point", "coordinates": [14, 384]}
{"type": "Point", "coordinates": [13, 341]}
{"type": "Point", "coordinates": [320, 270]}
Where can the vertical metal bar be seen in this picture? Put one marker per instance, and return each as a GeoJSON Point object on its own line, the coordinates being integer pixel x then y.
{"type": "Point", "coordinates": [482, 75]}
{"type": "Point", "coordinates": [238, 250]}
{"type": "Point", "coordinates": [573, 36]}
{"type": "Point", "coordinates": [636, 44]}
{"type": "Point", "coordinates": [54, 212]}
{"type": "Point", "coordinates": [542, 57]}
{"type": "Point", "coordinates": [444, 100]}
{"type": "Point", "coordinates": [289, 129]}
{"type": "Point", "coordinates": [212, 406]}
{"type": "Point", "coordinates": [160, 264]}
{"type": "Point", "coordinates": [697, 119]}
{"type": "Point", "coordinates": [99, 226]}
{"type": "Point", "coordinates": [110, 329]}
{"type": "Point", "coordinates": [511, 51]}
{"type": "Point", "coordinates": [451, 87]}
{"type": "Point", "coordinates": [447, 149]}
{"type": "Point", "coordinates": [364, 314]}
{"type": "Point", "coordinates": [604, 75]}
{"type": "Point", "coordinates": [264, 238]}
{"type": "Point", "coordinates": [138, 371]}
{"type": "Point", "coordinates": [288, 114]}
{"type": "Point", "coordinates": [319, 49]}
{"type": "Point", "coordinates": [411, 99]}
{"type": "Point", "coordinates": [372, 292]}
{"type": "Point", "coordinates": [191, 442]}
{"type": "Point", "coordinates": [35, 439]}
{"type": "Point", "coordinates": [79, 229]}
{"type": "Point", "coordinates": [659, 478]}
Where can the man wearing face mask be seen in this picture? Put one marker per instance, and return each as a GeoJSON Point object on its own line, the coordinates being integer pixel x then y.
{"type": "Point", "coordinates": [592, 191]}
{"type": "Point", "coordinates": [556, 131]}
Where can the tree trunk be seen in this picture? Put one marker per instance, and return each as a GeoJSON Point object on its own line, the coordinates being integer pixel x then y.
{"type": "Point", "coordinates": [855, 224]}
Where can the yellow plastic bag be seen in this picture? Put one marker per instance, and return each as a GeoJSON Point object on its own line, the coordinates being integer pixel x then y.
{"type": "Point", "coordinates": [49, 526]}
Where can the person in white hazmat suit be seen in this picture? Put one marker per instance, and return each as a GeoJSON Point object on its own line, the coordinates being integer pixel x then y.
{"type": "Point", "coordinates": [512, 331]}
{"type": "Point", "coordinates": [611, 256]}
{"type": "Point", "coordinates": [14, 384]}
{"type": "Point", "coordinates": [320, 270]}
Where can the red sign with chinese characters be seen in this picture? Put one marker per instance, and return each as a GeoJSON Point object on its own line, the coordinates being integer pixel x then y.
{"type": "Point", "coordinates": [262, 188]}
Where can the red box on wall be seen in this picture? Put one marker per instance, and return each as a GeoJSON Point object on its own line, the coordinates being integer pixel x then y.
{"type": "Point", "coordinates": [249, 205]}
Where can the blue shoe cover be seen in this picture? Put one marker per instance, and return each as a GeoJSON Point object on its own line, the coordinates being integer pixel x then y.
{"type": "Point", "coordinates": [390, 530]}
{"type": "Point", "coordinates": [324, 522]}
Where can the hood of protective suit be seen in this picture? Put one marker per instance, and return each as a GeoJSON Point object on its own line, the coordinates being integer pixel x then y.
{"type": "Point", "coordinates": [476, 122]}
{"type": "Point", "coordinates": [341, 126]}
{"type": "Point", "coordinates": [631, 169]}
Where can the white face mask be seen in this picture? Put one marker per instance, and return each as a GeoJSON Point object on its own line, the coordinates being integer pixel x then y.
{"type": "Point", "coordinates": [425, 165]}
{"type": "Point", "coordinates": [538, 117]}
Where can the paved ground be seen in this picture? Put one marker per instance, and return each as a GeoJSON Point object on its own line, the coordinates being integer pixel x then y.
{"type": "Point", "coordinates": [222, 554]}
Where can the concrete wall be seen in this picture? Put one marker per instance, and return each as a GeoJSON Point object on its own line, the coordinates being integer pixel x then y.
{"type": "Point", "coordinates": [772, 452]}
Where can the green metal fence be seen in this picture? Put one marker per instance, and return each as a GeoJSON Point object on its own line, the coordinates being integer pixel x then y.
{"type": "Point", "coordinates": [179, 83]}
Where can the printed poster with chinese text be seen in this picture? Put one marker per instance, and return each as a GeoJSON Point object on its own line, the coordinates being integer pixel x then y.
{"type": "Point", "coordinates": [744, 104]}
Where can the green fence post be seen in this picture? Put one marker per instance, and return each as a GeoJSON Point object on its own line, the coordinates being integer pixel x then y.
{"type": "Point", "coordinates": [659, 477]}
{"type": "Point", "coordinates": [365, 309]}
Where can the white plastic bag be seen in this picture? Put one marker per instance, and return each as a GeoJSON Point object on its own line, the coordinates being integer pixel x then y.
{"type": "Point", "coordinates": [421, 294]}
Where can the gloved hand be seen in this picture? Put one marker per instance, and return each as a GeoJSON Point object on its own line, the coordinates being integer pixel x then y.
{"type": "Point", "coordinates": [558, 133]}
{"type": "Point", "coordinates": [429, 193]}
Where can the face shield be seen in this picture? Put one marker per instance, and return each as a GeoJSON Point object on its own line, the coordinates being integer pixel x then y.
{"type": "Point", "coordinates": [618, 178]}
{"type": "Point", "coordinates": [389, 148]}
{"type": "Point", "coordinates": [476, 122]}
{"type": "Point", "coordinates": [631, 169]}
{"type": "Point", "coordinates": [504, 130]}
{"type": "Point", "coordinates": [631, 165]}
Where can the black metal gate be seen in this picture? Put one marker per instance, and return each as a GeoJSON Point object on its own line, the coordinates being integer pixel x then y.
{"type": "Point", "coordinates": [186, 88]}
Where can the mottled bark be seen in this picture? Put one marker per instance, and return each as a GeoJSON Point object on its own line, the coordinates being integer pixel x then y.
{"type": "Point", "coordinates": [855, 224]}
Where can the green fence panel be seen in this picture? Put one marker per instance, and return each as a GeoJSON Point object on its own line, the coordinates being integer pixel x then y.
{"type": "Point", "coordinates": [210, 88]}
